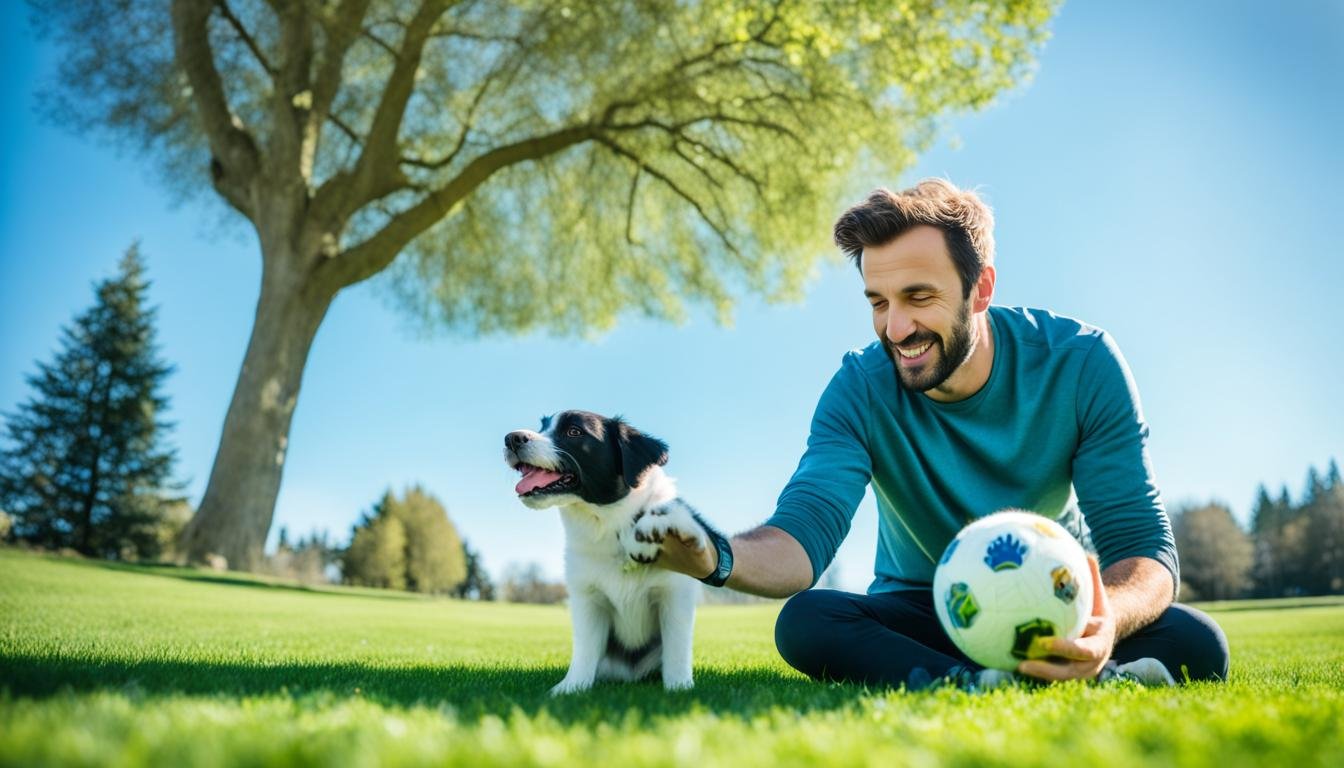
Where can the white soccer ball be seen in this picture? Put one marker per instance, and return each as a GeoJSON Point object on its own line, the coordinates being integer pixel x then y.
{"type": "Point", "coordinates": [1007, 579]}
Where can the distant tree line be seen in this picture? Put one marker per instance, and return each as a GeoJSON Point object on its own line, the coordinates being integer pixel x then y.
{"type": "Point", "coordinates": [1292, 548]}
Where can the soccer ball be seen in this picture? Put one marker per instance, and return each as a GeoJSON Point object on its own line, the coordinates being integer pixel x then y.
{"type": "Point", "coordinates": [1007, 579]}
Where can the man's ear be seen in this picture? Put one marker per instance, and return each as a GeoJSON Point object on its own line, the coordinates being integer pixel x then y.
{"type": "Point", "coordinates": [638, 452]}
{"type": "Point", "coordinates": [983, 292]}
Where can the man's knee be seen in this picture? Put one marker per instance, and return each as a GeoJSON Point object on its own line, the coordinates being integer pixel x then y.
{"type": "Point", "coordinates": [1188, 642]}
{"type": "Point", "coordinates": [801, 630]}
{"type": "Point", "coordinates": [1208, 653]}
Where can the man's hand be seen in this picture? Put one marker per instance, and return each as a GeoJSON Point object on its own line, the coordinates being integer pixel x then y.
{"type": "Point", "coordinates": [1080, 659]}
{"type": "Point", "coordinates": [684, 554]}
{"type": "Point", "coordinates": [683, 545]}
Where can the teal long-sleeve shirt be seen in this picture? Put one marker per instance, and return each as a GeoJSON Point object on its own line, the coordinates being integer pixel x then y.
{"type": "Point", "coordinates": [1057, 429]}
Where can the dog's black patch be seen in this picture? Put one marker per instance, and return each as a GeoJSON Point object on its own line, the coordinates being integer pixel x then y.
{"type": "Point", "coordinates": [632, 656]}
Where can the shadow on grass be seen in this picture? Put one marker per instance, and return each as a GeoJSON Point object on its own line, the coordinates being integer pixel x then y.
{"type": "Point", "coordinates": [466, 693]}
{"type": "Point", "coordinates": [238, 579]}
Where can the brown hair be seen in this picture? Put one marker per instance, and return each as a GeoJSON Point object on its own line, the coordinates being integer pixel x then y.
{"type": "Point", "coordinates": [966, 222]}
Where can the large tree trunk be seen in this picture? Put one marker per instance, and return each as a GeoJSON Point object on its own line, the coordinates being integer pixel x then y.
{"type": "Point", "coordinates": [235, 514]}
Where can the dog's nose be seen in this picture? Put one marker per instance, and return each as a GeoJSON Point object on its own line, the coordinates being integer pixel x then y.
{"type": "Point", "coordinates": [514, 439]}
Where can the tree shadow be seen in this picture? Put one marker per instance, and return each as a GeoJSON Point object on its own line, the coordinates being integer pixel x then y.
{"type": "Point", "coordinates": [464, 693]}
{"type": "Point", "coordinates": [240, 579]}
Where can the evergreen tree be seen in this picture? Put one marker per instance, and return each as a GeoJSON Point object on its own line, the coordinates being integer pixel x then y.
{"type": "Point", "coordinates": [84, 465]}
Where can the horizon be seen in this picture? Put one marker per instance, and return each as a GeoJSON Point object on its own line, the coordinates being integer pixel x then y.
{"type": "Point", "coordinates": [1167, 176]}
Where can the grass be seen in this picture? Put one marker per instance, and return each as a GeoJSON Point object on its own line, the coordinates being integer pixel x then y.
{"type": "Point", "coordinates": [120, 665]}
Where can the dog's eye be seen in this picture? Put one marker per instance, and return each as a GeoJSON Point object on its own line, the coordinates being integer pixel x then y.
{"type": "Point", "coordinates": [574, 432]}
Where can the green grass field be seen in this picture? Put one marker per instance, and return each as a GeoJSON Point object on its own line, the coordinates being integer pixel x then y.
{"type": "Point", "coordinates": [103, 664]}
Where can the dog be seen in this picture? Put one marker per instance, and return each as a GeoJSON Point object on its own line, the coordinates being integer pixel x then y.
{"type": "Point", "coordinates": [616, 504]}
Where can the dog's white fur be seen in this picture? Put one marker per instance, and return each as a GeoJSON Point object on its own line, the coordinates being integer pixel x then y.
{"type": "Point", "coordinates": [611, 593]}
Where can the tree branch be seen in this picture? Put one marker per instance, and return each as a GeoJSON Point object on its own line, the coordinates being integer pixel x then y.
{"type": "Point", "coordinates": [291, 99]}
{"type": "Point", "coordinates": [235, 157]}
{"type": "Point", "coordinates": [376, 172]}
{"type": "Point", "coordinates": [242, 32]}
{"type": "Point", "coordinates": [469, 119]}
{"type": "Point", "coordinates": [370, 257]}
{"type": "Point", "coordinates": [340, 35]}
{"type": "Point", "coordinates": [719, 230]}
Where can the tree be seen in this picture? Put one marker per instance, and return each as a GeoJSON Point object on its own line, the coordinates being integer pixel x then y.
{"type": "Point", "coordinates": [1216, 554]}
{"type": "Point", "coordinates": [407, 543]}
{"type": "Point", "coordinates": [86, 466]}
{"type": "Point", "coordinates": [435, 560]}
{"type": "Point", "coordinates": [377, 553]}
{"type": "Point", "coordinates": [477, 585]}
{"type": "Point", "coordinates": [1277, 536]}
{"type": "Point", "coordinates": [544, 165]}
{"type": "Point", "coordinates": [1322, 549]}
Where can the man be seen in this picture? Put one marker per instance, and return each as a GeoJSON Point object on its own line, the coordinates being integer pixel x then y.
{"type": "Point", "coordinates": [958, 410]}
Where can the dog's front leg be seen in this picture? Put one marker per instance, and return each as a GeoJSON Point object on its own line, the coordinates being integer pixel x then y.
{"type": "Point", "coordinates": [592, 625]}
{"type": "Point", "coordinates": [676, 621]}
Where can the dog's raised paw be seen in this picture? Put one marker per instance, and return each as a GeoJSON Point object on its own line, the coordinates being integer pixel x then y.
{"type": "Point", "coordinates": [671, 519]}
{"type": "Point", "coordinates": [641, 551]}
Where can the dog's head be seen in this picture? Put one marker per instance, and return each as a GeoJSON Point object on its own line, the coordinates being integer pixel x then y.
{"type": "Point", "coordinates": [580, 456]}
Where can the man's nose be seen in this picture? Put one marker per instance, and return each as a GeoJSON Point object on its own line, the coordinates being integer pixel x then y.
{"type": "Point", "coordinates": [515, 439]}
{"type": "Point", "coordinates": [899, 327]}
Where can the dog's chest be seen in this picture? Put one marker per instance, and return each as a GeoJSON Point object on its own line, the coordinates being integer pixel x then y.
{"type": "Point", "coordinates": [597, 565]}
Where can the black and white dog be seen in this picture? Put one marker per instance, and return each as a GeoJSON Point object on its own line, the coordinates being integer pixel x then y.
{"type": "Point", "coordinates": [616, 503]}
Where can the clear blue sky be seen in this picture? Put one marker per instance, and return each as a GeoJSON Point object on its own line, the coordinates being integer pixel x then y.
{"type": "Point", "coordinates": [1172, 174]}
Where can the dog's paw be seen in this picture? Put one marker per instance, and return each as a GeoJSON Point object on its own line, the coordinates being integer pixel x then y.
{"type": "Point", "coordinates": [679, 684]}
{"type": "Point", "coordinates": [674, 518]}
{"type": "Point", "coordinates": [641, 552]}
{"type": "Point", "coordinates": [568, 686]}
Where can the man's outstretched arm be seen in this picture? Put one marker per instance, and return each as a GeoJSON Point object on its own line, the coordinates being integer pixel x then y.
{"type": "Point", "coordinates": [766, 561]}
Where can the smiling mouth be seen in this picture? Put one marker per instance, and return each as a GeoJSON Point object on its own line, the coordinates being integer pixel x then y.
{"type": "Point", "coordinates": [914, 353]}
{"type": "Point", "coordinates": [538, 481]}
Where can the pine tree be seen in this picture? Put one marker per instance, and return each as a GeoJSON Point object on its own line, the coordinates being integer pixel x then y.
{"type": "Point", "coordinates": [85, 465]}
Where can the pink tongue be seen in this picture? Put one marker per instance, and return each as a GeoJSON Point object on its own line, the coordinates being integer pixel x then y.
{"type": "Point", "coordinates": [535, 477]}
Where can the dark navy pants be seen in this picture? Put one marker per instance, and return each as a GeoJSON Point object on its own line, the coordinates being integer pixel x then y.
{"type": "Point", "coordinates": [883, 639]}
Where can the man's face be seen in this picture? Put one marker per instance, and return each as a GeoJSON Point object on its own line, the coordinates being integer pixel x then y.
{"type": "Point", "coordinates": [918, 310]}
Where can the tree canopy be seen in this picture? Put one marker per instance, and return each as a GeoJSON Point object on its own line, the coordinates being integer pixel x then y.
{"type": "Point", "coordinates": [544, 164]}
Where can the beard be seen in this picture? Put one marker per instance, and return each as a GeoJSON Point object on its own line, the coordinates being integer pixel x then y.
{"type": "Point", "coordinates": [952, 352]}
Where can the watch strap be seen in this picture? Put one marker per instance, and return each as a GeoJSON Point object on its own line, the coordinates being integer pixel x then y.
{"type": "Point", "coordinates": [719, 576]}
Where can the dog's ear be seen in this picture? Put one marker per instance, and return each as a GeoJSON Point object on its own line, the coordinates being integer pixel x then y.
{"type": "Point", "coordinates": [638, 452]}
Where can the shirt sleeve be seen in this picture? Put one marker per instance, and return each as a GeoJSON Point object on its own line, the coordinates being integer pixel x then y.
{"type": "Point", "coordinates": [818, 503]}
{"type": "Point", "coordinates": [1112, 471]}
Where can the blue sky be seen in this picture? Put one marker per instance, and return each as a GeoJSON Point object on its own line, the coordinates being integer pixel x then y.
{"type": "Point", "coordinates": [1171, 174]}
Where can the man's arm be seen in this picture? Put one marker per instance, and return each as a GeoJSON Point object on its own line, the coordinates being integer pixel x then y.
{"type": "Point", "coordinates": [1139, 590]}
{"type": "Point", "coordinates": [766, 561]}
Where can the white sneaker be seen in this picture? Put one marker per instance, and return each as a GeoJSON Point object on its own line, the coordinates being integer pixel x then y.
{"type": "Point", "coordinates": [1146, 671]}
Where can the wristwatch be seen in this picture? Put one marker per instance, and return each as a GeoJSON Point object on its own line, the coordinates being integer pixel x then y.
{"type": "Point", "coordinates": [719, 576]}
